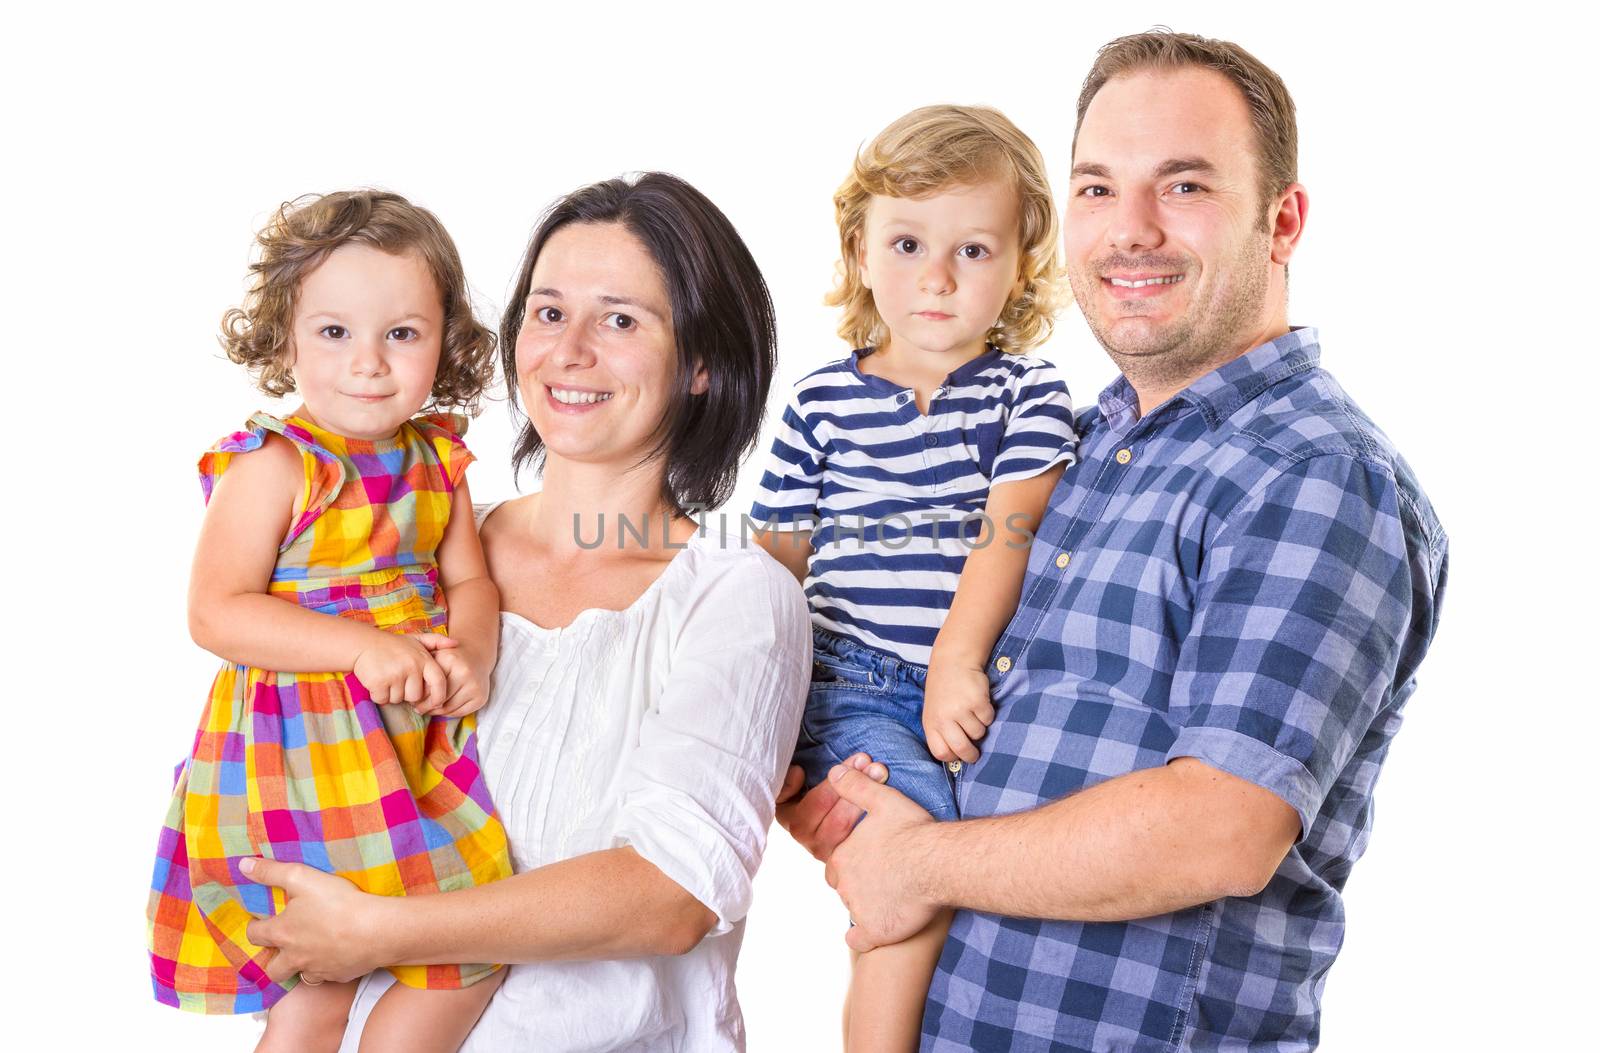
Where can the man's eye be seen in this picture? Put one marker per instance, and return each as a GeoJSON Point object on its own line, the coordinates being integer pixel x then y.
{"type": "Point", "coordinates": [1188, 188]}
{"type": "Point", "coordinates": [973, 252]}
{"type": "Point", "coordinates": [549, 315]}
{"type": "Point", "coordinates": [619, 321]}
{"type": "Point", "coordinates": [1094, 190]}
{"type": "Point", "coordinates": [907, 246]}
{"type": "Point", "coordinates": [334, 332]}
{"type": "Point", "coordinates": [402, 333]}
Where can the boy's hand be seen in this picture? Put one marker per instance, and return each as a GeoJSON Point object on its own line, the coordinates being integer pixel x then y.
{"type": "Point", "coordinates": [398, 668]}
{"type": "Point", "coordinates": [467, 685]}
{"type": "Point", "coordinates": [956, 711]}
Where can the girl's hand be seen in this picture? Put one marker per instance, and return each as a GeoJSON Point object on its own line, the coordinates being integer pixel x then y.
{"type": "Point", "coordinates": [401, 668]}
{"type": "Point", "coordinates": [467, 685]}
{"type": "Point", "coordinates": [328, 929]}
{"type": "Point", "coordinates": [956, 711]}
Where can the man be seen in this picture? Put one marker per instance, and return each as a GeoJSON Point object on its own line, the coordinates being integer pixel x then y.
{"type": "Point", "coordinates": [1224, 612]}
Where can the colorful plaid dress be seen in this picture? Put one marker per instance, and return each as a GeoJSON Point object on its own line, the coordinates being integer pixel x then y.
{"type": "Point", "coordinates": [304, 766]}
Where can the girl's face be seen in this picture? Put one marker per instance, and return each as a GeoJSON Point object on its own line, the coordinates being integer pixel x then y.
{"type": "Point", "coordinates": [597, 355]}
{"type": "Point", "coordinates": [941, 268]}
{"type": "Point", "coordinates": [368, 328]}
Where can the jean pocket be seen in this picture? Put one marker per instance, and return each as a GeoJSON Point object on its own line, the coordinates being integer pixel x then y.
{"type": "Point", "coordinates": [830, 670]}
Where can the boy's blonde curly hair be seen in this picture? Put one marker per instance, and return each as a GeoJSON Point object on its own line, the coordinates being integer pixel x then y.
{"type": "Point", "coordinates": [930, 150]}
{"type": "Point", "coordinates": [300, 236]}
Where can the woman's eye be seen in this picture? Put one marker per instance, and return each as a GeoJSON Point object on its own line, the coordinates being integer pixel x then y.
{"type": "Point", "coordinates": [334, 332]}
{"type": "Point", "coordinates": [619, 321]}
{"type": "Point", "coordinates": [402, 333]}
{"type": "Point", "coordinates": [907, 246]}
{"type": "Point", "coordinates": [549, 315]}
{"type": "Point", "coordinates": [973, 252]}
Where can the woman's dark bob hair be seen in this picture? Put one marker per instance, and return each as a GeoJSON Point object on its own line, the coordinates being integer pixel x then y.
{"type": "Point", "coordinates": [721, 318]}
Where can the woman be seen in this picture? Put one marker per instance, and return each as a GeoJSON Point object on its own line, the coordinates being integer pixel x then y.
{"type": "Point", "coordinates": [650, 680]}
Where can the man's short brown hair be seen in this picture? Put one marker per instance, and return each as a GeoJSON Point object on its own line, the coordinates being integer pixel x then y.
{"type": "Point", "coordinates": [1271, 108]}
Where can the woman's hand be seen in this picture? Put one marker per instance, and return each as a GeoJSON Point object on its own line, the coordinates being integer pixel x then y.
{"type": "Point", "coordinates": [398, 668]}
{"type": "Point", "coordinates": [328, 929]}
{"type": "Point", "coordinates": [956, 711]}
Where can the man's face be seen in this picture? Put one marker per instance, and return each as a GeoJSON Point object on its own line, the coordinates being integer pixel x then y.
{"type": "Point", "coordinates": [1166, 248]}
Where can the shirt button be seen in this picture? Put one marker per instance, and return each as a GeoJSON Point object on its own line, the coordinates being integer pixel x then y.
{"type": "Point", "coordinates": [1062, 560]}
{"type": "Point", "coordinates": [955, 767]}
{"type": "Point", "coordinates": [930, 440]}
{"type": "Point", "coordinates": [1124, 455]}
{"type": "Point", "coordinates": [1002, 663]}
{"type": "Point", "coordinates": [903, 398]}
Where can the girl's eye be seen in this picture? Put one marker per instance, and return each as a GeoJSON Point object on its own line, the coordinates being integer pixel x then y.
{"type": "Point", "coordinates": [621, 322]}
{"type": "Point", "coordinates": [549, 315]}
{"type": "Point", "coordinates": [334, 332]}
{"type": "Point", "coordinates": [972, 252]}
{"type": "Point", "coordinates": [402, 333]}
{"type": "Point", "coordinates": [906, 246]}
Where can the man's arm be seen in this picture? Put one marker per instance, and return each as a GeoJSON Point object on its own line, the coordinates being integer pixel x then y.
{"type": "Point", "coordinates": [1145, 843]}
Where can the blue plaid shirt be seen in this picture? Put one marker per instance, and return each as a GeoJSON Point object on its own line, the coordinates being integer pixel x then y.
{"type": "Point", "coordinates": [1249, 575]}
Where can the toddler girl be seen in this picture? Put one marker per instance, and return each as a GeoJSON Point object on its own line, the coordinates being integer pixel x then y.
{"type": "Point", "coordinates": [936, 439]}
{"type": "Point", "coordinates": [338, 540]}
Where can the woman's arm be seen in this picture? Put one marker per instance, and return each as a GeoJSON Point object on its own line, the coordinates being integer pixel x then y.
{"type": "Point", "coordinates": [609, 904]}
{"type": "Point", "coordinates": [232, 616]}
{"type": "Point", "coordinates": [474, 604]}
{"type": "Point", "coordinates": [956, 711]}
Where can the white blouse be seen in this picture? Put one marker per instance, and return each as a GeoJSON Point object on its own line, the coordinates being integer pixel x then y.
{"type": "Point", "coordinates": [668, 727]}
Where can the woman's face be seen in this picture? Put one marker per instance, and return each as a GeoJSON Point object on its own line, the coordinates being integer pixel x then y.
{"type": "Point", "coordinates": [596, 356]}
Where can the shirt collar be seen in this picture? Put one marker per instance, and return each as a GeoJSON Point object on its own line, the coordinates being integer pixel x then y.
{"type": "Point", "coordinates": [1223, 390]}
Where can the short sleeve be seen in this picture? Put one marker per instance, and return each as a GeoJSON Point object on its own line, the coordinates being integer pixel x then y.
{"type": "Point", "coordinates": [698, 794]}
{"type": "Point", "coordinates": [791, 486]}
{"type": "Point", "coordinates": [1039, 434]}
{"type": "Point", "coordinates": [443, 432]}
{"type": "Point", "coordinates": [324, 473]}
{"type": "Point", "coordinates": [1301, 615]}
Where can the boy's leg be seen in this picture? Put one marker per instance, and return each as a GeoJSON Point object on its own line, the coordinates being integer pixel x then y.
{"type": "Point", "coordinates": [310, 1018]}
{"type": "Point", "coordinates": [412, 1020]}
{"type": "Point", "coordinates": [888, 988]}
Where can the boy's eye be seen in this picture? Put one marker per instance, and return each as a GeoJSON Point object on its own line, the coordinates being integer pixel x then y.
{"type": "Point", "coordinates": [972, 252]}
{"type": "Point", "coordinates": [334, 332]}
{"type": "Point", "coordinates": [549, 315]}
{"type": "Point", "coordinates": [906, 246]}
{"type": "Point", "coordinates": [619, 321]}
{"type": "Point", "coordinates": [402, 333]}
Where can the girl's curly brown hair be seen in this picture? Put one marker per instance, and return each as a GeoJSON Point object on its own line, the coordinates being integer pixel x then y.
{"type": "Point", "coordinates": [300, 236]}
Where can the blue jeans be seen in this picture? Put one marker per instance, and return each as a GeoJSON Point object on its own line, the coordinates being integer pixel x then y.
{"type": "Point", "coordinates": [865, 701]}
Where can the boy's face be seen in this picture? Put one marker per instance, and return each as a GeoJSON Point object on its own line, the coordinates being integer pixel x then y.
{"type": "Point", "coordinates": [368, 328]}
{"type": "Point", "coordinates": [941, 268]}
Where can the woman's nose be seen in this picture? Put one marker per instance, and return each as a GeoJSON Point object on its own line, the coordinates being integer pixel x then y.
{"type": "Point", "coordinates": [572, 348]}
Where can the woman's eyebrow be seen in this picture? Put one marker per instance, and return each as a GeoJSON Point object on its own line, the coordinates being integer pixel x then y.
{"type": "Point", "coordinates": [638, 305]}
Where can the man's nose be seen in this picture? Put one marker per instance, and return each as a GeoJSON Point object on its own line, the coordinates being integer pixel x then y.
{"type": "Point", "coordinates": [1134, 225]}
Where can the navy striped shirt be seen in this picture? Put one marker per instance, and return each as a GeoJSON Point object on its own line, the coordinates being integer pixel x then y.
{"type": "Point", "coordinates": [894, 497]}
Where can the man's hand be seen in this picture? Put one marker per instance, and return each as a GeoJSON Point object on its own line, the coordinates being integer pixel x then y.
{"type": "Point", "coordinates": [877, 870]}
{"type": "Point", "coordinates": [325, 930]}
{"type": "Point", "coordinates": [820, 819]}
{"type": "Point", "coordinates": [956, 711]}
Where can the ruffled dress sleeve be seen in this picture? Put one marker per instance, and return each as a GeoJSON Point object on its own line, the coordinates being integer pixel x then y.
{"type": "Point", "coordinates": [324, 472]}
{"type": "Point", "coordinates": [443, 432]}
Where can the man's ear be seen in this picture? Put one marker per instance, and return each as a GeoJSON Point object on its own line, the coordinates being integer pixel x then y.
{"type": "Point", "coordinates": [1287, 222]}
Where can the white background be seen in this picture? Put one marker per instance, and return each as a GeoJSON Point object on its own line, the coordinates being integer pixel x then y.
{"type": "Point", "coordinates": [1446, 262]}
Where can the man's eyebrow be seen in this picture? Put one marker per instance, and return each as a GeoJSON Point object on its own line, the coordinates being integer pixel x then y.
{"type": "Point", "coordinates": [1090, 169]}
{"type": "Point", "coordinates": [1185, 164]}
